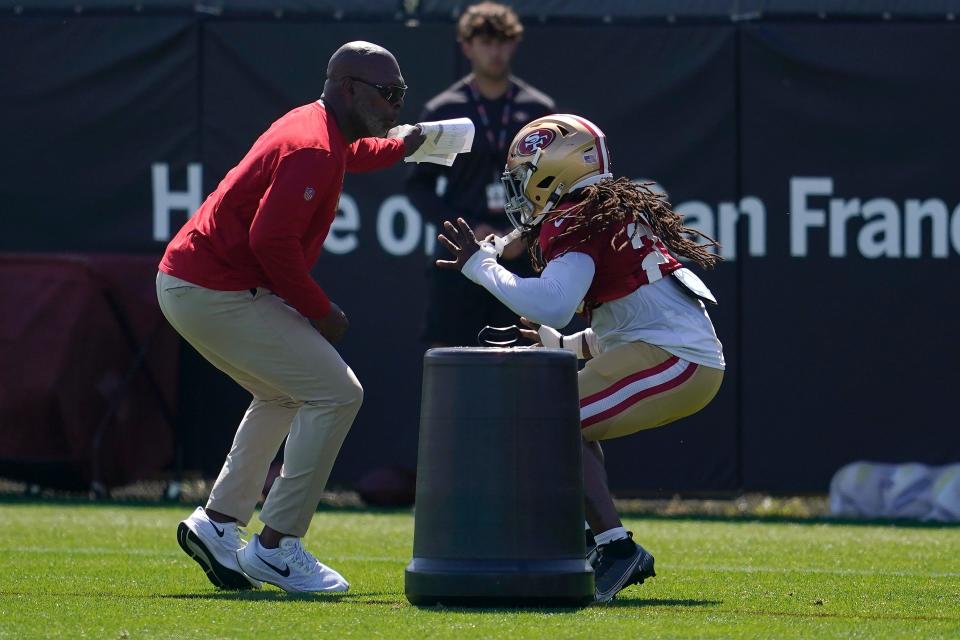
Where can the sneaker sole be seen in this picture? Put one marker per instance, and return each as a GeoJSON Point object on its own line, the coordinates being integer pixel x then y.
{"type": "Point", "coordinates": [221, 576]}
{"type": "Point", "coordinates": [290, 589]}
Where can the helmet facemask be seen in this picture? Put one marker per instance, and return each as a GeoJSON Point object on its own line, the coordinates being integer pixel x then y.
{"type": "Point", "coordinates": [520, 210]}
{"type": "Point", "coordinates": [518, 207]}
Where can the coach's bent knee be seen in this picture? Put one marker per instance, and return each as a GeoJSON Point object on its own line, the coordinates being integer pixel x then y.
{"type": "Point", "coordinates": [333, 388]}
{"type": "Point", "coordinates": [355, 395]}
{"type": "Point", "coordinates": [347, 394]}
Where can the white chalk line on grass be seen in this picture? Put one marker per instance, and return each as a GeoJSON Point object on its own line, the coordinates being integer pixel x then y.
{"type": "Point", "coordinates": [148, 553]}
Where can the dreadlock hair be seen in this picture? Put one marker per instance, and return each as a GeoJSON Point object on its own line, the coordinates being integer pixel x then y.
{"type": "Point", "coordinates": [614, 201]}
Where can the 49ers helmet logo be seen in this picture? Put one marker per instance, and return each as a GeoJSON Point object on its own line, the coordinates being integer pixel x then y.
{"type": "Point", "coordinates": [536, 139]}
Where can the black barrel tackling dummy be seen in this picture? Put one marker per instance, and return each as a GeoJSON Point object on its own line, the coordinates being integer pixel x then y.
{"type": "Point", "coordinates": [499, 501]}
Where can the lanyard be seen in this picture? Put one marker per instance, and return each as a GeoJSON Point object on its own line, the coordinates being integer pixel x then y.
{"type": "Point", "coordinates": [497, 143]}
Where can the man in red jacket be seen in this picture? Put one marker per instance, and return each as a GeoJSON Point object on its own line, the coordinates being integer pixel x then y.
{"type": "Point", "coordinates": [235, 283]}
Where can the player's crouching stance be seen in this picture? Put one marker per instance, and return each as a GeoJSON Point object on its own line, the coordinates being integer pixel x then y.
{"type": "Point", "coordinates": [606, 244]}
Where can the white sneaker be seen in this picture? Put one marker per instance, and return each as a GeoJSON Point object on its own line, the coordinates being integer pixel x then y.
{"type": "Point", "coordinates": [289, 566]}
{"type": "Point", "coordinates": [214, 546]}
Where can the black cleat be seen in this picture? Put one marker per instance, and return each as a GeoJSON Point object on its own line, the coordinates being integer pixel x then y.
{"type": "Point", "coordinates": [643, 571]}
{"type": "Point", "coordinates": [618, 565]}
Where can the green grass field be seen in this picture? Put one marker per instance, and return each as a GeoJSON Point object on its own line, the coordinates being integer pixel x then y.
{"type": "Point", "coordinates": [90, 571]}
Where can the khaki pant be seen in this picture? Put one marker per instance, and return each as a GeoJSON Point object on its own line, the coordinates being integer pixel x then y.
{"type": "Point", "coordinates": [639, 386]}
{"type": "Point", "coordinates": [302, 390]}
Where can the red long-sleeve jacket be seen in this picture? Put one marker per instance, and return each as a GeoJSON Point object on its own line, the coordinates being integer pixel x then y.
{"type": "Point", "coordinates": [265, 224]}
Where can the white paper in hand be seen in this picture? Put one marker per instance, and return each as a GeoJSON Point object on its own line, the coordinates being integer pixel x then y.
{"type": "Point", "coordinates": [443, 140]}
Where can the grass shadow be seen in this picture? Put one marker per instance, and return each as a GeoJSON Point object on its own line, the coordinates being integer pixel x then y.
{"type": "Point", "coordinates": [257, 596]}
{"type": "Point", "coordinates": [372, 598]}
{"type": "Point", "coordinates": [622, 602]}
{"type": "Point", "coordinates": [619, 602]}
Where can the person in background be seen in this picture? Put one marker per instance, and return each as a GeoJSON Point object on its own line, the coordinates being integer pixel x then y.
{"type": "Point", "coordinates": [499, 104]}
{"type": "Point", "coordinates": [235, 283]}
{"type": "Point", "coordinates": [605, 246]}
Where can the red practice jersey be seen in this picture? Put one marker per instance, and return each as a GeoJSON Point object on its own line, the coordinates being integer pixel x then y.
{"type": "Point", "coordinates": [643, 260]}
{"type": "Point", "coordinates": [265, 224]}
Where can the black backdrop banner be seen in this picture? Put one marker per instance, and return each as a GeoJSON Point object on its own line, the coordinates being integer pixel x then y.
{"type": "Point", "coordinates": [88, 106]}
{"type": "Point", "coordinates": [822, 156]}
{"type": "Point", "coordinates": [849, 320]}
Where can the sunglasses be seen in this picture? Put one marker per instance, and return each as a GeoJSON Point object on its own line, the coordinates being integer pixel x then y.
{"type": "Point", "coordinates": [392, 93]}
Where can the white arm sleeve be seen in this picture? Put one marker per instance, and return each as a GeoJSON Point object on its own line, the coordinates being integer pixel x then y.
{"type": "Point", "coordinates": [551, 299]}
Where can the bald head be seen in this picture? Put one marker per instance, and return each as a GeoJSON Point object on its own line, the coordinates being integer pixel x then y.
{"type": "Point", "coordinates": [364, 89]}
{"type": "Point", "coordinates": [364, 60]}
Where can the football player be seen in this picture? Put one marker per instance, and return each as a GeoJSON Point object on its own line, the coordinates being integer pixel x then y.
{"type": "Point", "coordinates": [608, 248]}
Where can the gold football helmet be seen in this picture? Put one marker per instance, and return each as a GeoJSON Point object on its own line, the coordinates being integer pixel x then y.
{"type": "Point", "coordinates": [549, 158]}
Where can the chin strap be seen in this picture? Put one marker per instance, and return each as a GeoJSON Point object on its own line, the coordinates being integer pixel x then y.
{"type": "Point", "coordinates": [547, 208]}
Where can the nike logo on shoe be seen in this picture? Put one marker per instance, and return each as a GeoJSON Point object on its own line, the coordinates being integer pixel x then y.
{"type": "Point", "coordinates": [285, 572]}
{"type": "Point", "coordinates": [219, 531]}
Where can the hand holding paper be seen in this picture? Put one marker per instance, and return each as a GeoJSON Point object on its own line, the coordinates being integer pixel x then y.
{"type": "Point", "coordinates": [444, 140]}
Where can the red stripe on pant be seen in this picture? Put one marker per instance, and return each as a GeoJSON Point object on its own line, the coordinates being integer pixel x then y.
{"type": "Point", "coordinates": [682, 377]}
{"type": "Point", "coordinates": [633, 377]}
